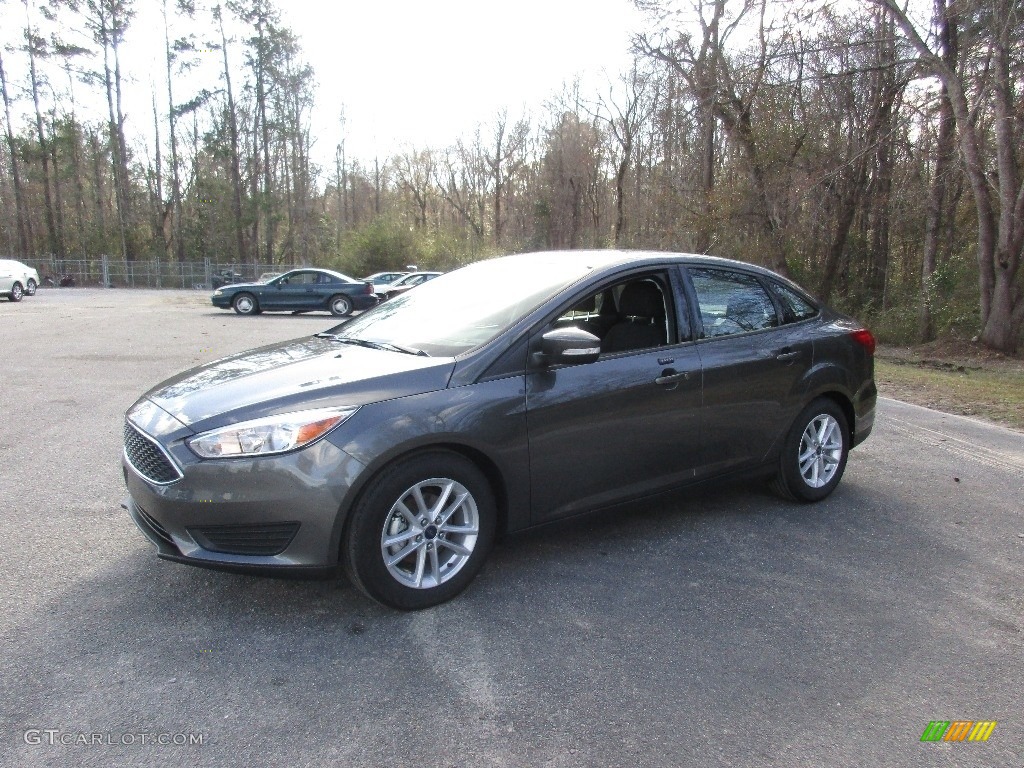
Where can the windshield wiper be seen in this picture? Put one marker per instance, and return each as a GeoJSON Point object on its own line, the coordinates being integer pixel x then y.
{"type": "Point", "coordinates": [387, 346]}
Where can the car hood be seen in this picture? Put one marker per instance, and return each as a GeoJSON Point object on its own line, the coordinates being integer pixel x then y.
{"type": "Point", "coordinates": [295, 375]}
{"type": "Point", "coordinates": [240, 286]}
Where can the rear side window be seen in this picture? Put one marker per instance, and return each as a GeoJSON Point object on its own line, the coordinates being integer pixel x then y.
{"type": "Point", "coordinates": [794, 306]}
{"type": "Point", "coordinates": [731, 302]}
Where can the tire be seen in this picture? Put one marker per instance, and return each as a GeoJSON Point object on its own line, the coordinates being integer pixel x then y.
{"type": "Point", "coordinates": [814, 455]}
{"type": "Point", "coordinates": [340, 306]}
{"type": "Point", "coordinates": [245, 304]}
{"type": "Point", "coordinates": [16, 292]}
{"type": "Point", "coordinates": [30, 287]}
{"type": "Point", "coordinates": [399, 512]}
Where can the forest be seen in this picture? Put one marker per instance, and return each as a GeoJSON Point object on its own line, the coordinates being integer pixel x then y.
{"type": "Point", "coordinates": [870, 150]}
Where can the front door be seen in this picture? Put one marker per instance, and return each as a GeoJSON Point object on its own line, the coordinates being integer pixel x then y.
{"type": "Point", "coordinates": [621, 427]}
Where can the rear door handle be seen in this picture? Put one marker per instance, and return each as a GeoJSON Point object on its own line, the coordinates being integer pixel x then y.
{"type": "Point", "coordinates": [669, 376]}
{"type": "Point", "coordinates": [788, 357]}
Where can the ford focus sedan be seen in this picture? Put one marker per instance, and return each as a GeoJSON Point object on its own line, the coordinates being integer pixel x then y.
{"type": "Point", "coordinates": [400, 443]}
{"type": "Point", "coordinates": [301, 290]}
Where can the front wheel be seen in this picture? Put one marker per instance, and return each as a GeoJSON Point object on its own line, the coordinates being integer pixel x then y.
{"type": "Point", "coordinates": [245, 304]}
{"type": "Point", "coordinates": [420, 531]}
{"type": "Point", "coordinates": [16, 292]}
{"type": "Point", "coordinates": [340, 306]}
{"type": "Point", "coordinates": [30, 287]}
{"type": "Point", "coordinates": [815, 452]}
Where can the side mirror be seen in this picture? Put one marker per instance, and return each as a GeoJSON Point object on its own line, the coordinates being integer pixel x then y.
{"type": "Point", "coordinates": [567, 346]}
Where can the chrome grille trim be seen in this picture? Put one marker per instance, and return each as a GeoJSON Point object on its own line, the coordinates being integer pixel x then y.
{"type": "Point", "coordinates": [140, 448]}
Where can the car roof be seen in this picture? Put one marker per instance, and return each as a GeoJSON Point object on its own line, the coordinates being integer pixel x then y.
{"type": "Point", "coordinates": [321, 269]}
{"type": "Point", "coordinates": [611, 258]}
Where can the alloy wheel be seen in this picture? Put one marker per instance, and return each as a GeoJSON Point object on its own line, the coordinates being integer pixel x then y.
{"type": "Point", "coordinates": [430, 533]}
{"type": "Point", "coordinates": [821, 450]}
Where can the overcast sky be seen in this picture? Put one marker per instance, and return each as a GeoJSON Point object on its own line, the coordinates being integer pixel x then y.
{"type": "Point", "coordinates": [422, 73]}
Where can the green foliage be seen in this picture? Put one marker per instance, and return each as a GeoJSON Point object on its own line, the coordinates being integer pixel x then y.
{"type": "Point", "coordinates": [390, 244]}
{"type": "Point", "coordinates": [380, 246]}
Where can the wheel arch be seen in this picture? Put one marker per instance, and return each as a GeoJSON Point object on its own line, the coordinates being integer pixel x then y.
{"type": "Point", "coordinates": [832, 382]}
{"type": "Point", "coordinates": [487, 466]}
{"type": "Point", "coordinates": [845, 404]}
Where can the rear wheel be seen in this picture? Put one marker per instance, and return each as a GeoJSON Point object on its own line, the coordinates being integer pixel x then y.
{"type": "Point", "coordinates": [30, 287]}
{"type": "Point", "coordinates": [814, 455]}
{"type": "Point", "coordinates": [245, 304]}
{"type": "Point", "coordinates": [340, 305]}
{"type": "Point", "coordinates": [421, 531]}
{"type": "Point", "coordinates": [16, 292]}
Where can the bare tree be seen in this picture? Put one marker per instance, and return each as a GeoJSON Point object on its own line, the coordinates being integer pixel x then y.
{"type": "Point", "coordinates": [729, 90]}
{"type": "Point", "coordinates": [993, 165]}
{"type": "Point", "coordinates": [626, 114]}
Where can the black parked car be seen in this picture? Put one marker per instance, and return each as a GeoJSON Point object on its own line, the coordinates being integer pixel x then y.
{"type": "Point", "coordinates": [402, 441]}
{"type": "Point", "coordinates": [301, 290]}
{"type": "Point", "coordinates": [226, 277]}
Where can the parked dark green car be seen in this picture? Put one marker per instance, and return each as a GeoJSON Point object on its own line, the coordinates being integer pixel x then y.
{"type": "Point", "coordinates": [301, 290]}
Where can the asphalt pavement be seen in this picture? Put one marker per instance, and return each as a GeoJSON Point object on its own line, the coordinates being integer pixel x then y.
{"type": "Point", "coordinates": [723, 627]}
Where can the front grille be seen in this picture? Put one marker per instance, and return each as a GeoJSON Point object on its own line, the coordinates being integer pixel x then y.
{"type": "Point", "coordinates": [148, 458]}
{"type": "Point", "coordinates": [268, 539]}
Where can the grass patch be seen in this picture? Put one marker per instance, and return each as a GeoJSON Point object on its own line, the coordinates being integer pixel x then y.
{"type": "Point", "coordinates": [953, 386]}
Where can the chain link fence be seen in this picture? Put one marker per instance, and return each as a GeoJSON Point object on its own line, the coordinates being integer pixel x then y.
{"type": "Point", "coordinates": [109, 272]}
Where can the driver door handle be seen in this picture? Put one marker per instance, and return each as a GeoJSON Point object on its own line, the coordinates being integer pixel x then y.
{"type": "Point", "coordinates": [669, 376]}
{"type": "Point", "coordinates": [788, 356]}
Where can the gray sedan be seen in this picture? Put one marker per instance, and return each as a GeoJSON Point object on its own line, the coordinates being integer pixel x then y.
{"type": "Point", "coordinates": [400, 443]}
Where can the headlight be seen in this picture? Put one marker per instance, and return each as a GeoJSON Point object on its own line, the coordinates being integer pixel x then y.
{"type": "Point", "coordinates": [274, 434]}
{"type": "Point", "coordinates": [218, 292]}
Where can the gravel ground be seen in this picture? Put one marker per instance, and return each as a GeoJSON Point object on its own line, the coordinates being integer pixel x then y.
{"type": "Point", "coordinates": [714, 628]}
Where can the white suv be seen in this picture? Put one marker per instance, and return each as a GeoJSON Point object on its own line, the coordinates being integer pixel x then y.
{"type": "Point", "coordinates": [17, 279]}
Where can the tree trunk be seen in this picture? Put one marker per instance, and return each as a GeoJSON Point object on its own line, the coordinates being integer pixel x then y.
{"type": "Point", "coordinates": [55, 247]}
{"type": "Point", "coordinates": [236, 176]}
{"type": "Point", "coordinates": [945, 149]}
{"type": "Point", "coordinates": [178, 243]}
{"type": "Point", "coordinates": [20, 209]}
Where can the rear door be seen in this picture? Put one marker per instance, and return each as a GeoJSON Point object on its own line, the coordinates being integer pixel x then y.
{"type": "Point", "coordinates": [753, 367]}
{"type": "Point", "coordinates": [625, 425]}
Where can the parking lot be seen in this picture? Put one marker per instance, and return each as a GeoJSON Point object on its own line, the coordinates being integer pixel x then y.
{"type": "Point", "coordinates": [720, 627]}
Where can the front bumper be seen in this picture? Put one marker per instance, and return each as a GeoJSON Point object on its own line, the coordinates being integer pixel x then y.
{"type": "Point", "coordinates": [275, 513]}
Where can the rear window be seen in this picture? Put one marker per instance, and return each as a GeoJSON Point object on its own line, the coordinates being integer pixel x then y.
{"type": "Point", "coordinates": [794, 306]}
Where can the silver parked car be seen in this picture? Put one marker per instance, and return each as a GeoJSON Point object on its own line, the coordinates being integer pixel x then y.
{"type": "Point", "coordinates": [17, 279]}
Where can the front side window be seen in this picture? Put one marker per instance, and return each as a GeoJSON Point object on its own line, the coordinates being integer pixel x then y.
{"type": "Point", "coordinates": [300, 278]}
{"type": "Point", "coordinates": [630, 315]}
{"type": "Point", "coordinates": [731, 302]}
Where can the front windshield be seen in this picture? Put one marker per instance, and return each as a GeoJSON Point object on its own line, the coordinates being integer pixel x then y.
{"type": "Point", "coordinates": [458, 311]}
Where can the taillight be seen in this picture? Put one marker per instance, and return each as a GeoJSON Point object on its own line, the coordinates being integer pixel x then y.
{"type": "Point", "coordinates": [367, 288]}
{"type": "Point", "coordinates": [865, 339]}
